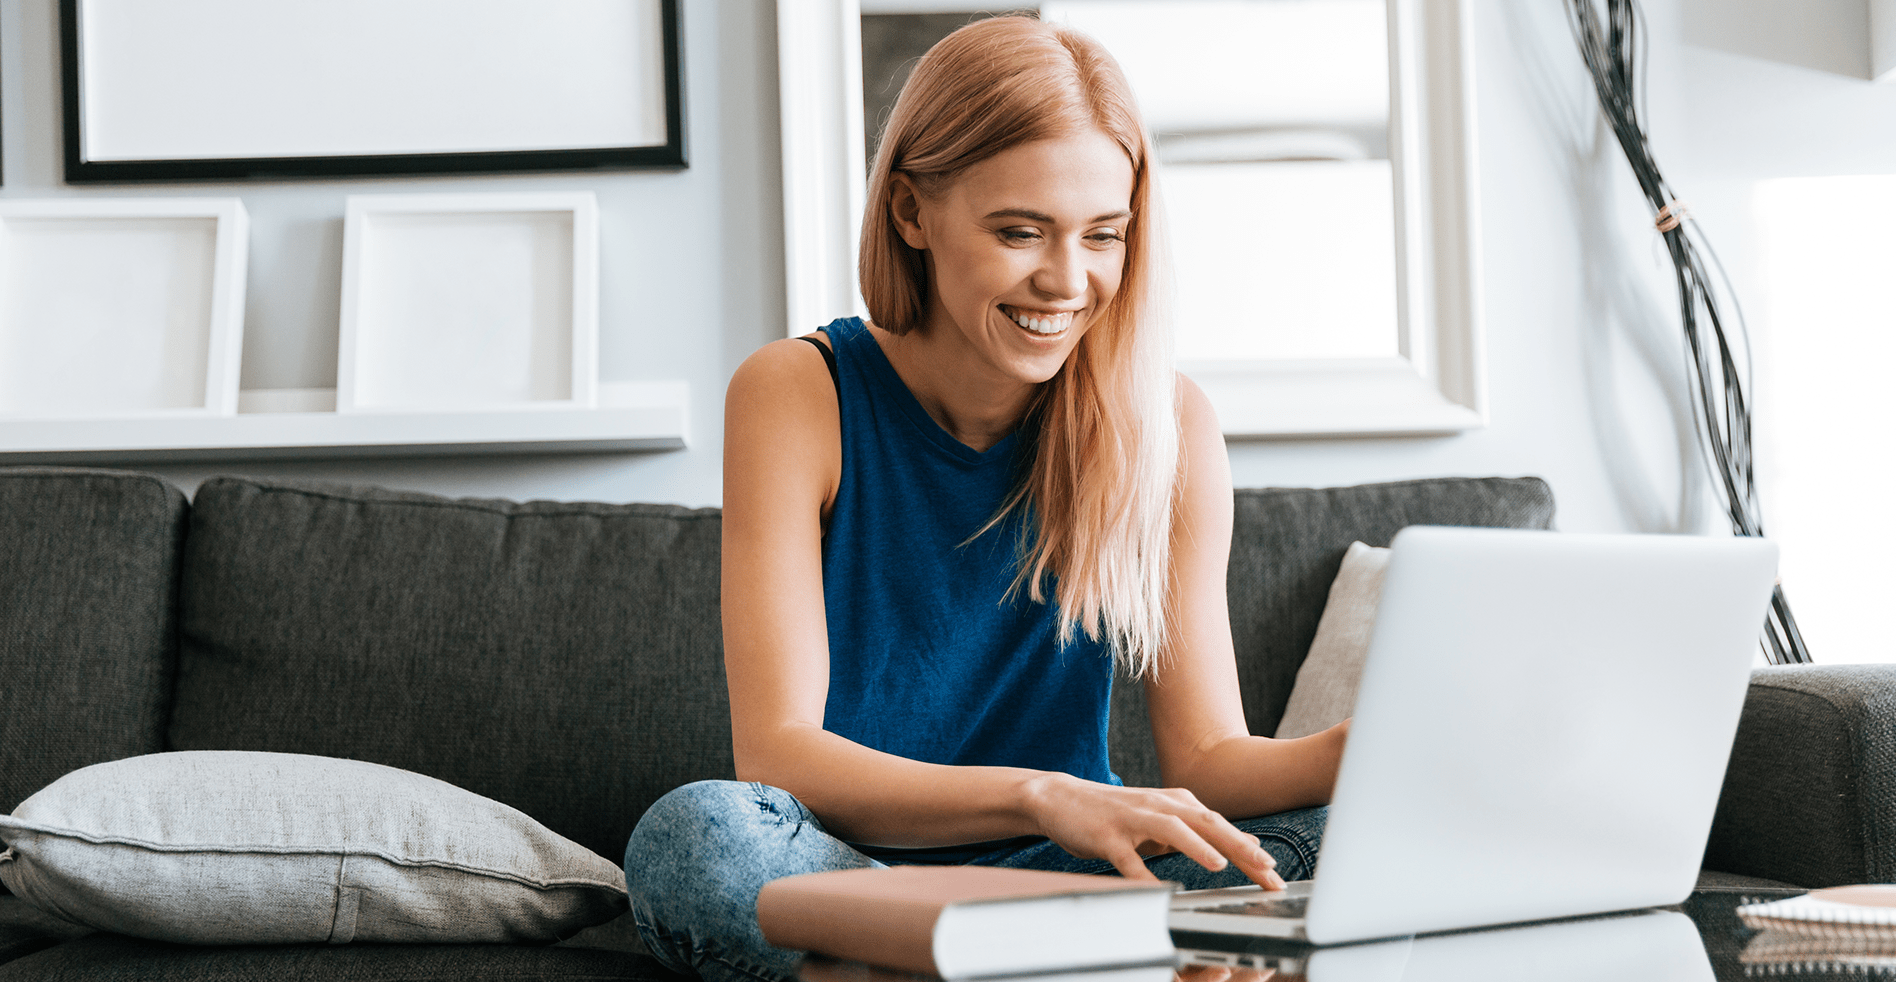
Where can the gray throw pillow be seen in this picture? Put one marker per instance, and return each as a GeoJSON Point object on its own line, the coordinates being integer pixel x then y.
{"type": "Point", "coordinates": [235, 847]}
{"type": "Point", "coordinates": [1325, 693]}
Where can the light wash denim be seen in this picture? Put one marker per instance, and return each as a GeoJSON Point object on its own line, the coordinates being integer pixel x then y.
{"type": "Point", "coordinates": [699, 856]}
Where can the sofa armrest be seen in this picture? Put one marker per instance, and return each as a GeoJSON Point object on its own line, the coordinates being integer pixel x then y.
{"type": "Point", "coordinates": [1810, 792]}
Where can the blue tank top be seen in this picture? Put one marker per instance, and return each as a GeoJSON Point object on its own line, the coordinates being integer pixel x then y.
{"type": "Point", "coordinates": [927, 659]}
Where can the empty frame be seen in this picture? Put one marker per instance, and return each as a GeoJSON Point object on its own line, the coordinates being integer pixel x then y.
{"type": "Point", "coordinates": [475, 302]}
{"type": "Point", "coordinates": [121, 307]}
{"type": "Point", "coordinates": [237, 88]}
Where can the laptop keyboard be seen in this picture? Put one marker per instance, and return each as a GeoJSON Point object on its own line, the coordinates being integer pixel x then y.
{"type": "Point", "coordinates": [1278, 907]}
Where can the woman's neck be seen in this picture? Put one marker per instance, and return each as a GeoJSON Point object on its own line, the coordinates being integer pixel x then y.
{"type": "Point", "coordinates": [965, 396]}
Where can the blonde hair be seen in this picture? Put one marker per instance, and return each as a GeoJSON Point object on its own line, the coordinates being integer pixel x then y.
{"type": "Point", "coordinates": [1104, 475]}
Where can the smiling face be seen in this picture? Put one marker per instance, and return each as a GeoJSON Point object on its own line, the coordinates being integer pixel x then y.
{"type": "Point", "coordinates": [1025, 250]}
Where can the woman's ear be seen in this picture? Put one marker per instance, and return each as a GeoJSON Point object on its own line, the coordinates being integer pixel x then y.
{"type": "Point", "coordinates": [905, 207]}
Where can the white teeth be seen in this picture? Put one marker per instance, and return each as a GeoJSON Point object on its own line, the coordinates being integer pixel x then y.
{"type": "Point", "coordinates": [1052, 324]}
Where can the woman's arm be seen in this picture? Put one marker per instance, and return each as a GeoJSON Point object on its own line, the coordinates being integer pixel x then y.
{"type": "Point", "coordinates": [782, 462]}
{"type": "Point", "coordinates": [1197, 717]}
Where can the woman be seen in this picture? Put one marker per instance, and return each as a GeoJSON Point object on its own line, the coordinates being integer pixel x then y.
{"type": "Point", "coordinates": [936, 547]}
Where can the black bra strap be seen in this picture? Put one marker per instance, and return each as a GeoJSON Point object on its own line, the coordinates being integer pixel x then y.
{"type": "Point", "coordinates": [830, 358]}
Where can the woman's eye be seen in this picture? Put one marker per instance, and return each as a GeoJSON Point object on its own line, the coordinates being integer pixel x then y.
{"type": "Point", "coordinates": [1019, 234]}
{"type": "Point", "coordinates": [1106, 236]}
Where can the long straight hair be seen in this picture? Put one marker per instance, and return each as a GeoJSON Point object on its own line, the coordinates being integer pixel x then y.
{"type": "Point", "coordinates": [1103, 481]}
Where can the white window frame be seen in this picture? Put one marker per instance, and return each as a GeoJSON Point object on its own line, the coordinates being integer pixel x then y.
{"type": "Point", "coordinates": [1436, 383]}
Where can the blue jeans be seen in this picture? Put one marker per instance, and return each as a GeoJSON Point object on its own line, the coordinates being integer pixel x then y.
{"type": "Point", "coordinates": [699, 856]}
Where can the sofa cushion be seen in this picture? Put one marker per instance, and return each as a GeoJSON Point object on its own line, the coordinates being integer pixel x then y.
{"type": "Point", "coordinates": [1325, 692]}
{"type": "Point", "coordinates": [564, 659]}
{"type": "Point", "coordinates": [88, 579]}
{"type": "Point", "coordinates": [1286, 548]}
{"type": "Point", "coordinates": [1810, 790]}
{"type": "Point", "coordinates": [25, 929]}
{"type": "Point", "coordinates": [116, 958]}
{"type": "Point", "coordinates": [235, 847]}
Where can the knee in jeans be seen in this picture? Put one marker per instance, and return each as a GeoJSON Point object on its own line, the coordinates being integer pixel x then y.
{"type": "Point", "coordinates": [1304, 828]}
{"type": "Point", "coordinates": [682, 816]}
{"type": "Point", "coordinates": [699, 829]}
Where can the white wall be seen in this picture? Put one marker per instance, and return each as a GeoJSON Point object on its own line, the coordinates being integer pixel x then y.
{"type": "Point", "coordinates": [1777, 96]}
{"type": "Point", "coordinates": [1584, 364]}
{"type": "Point", "coordinates": [691, 261]}
{"type": "Point", "coordinates": [1584, 358]}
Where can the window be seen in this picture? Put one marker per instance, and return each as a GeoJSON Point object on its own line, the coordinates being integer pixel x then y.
{"type": "Point", "coordinates": [1825, 336]}
{"type": "Point", "coordinates": [1333, 184]}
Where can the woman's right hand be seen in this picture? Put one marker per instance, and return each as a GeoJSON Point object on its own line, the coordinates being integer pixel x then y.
{"type": "Point", "coordinates": [1125, 825]}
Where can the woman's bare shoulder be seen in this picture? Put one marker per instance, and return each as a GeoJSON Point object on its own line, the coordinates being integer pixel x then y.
{"type": "Point", "coordinates": [787, 366]}
{"type": "Point", "coordinates": [1201, 440]}
{"type": "Point", "coordinates": [781, 426]}
{"type": "Point", "coordinates": [1196, 416]}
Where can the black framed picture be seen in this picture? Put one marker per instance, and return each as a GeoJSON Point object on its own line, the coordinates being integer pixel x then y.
{"type": "Point", "coordinates": [233, 89]}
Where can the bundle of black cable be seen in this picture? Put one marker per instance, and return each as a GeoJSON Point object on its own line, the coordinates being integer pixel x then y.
{"type": "Point", "coordinates": [1611, 50]}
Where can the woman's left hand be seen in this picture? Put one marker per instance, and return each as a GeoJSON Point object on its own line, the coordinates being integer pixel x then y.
{"type": "Point", "coordinates": [1125, 825]}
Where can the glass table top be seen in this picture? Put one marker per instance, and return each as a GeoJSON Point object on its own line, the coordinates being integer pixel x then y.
{"type": "Point", "coordinates": [1700, 940]}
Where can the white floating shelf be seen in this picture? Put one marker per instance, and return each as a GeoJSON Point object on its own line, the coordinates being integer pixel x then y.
{"type": "Point", "coordinates": [632, 416]}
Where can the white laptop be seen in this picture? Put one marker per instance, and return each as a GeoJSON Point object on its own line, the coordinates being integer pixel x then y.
{"type": "Point", "coordinates": [1541, 731]}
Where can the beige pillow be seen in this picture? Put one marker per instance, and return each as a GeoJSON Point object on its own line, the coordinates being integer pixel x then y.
{"type": "Point", "coordinates": [1325, 692]}
{"type": "Point", "coordinates": [230, 847]}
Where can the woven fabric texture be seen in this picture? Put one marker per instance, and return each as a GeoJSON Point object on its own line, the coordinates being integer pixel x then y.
{"type": "Point", "coordinates": [1810, 793]}
{"type": "Point", "coordinates": [1325, 692]}
{"type": "Point", "coordinates": [88, 579]}
{"type": "Point", "coordinates": [236, 847]}
{"type": "Point", "coordinates": [18, 942]}
{"type": "Point", "coordinates": [25, 929]}
{"type": "Point", "coordinates": [1286, 548]}
{"type": "Point", "coordinates": [564, 659]}
{"type": "Point", "coordinates": [116, 958]}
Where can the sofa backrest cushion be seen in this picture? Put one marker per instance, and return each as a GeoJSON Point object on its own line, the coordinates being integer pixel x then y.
{"type": "Point", "coordinates": [1286, 547]}
{"type": "Point", "coordinates": [88, 580]}
{"type": "Point", "coordinates": [564, 659]}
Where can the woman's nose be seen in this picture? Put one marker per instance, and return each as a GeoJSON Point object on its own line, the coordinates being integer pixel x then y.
{"type": "Point", "coordinates": [1063, 274]}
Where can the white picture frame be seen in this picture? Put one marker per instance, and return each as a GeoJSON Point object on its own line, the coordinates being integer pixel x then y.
{"type": "Point", "coordinates": [121, 307]}
{"type": "Point", "coordinates": [1436, 384]}
{"type": "Point", "coordinates": [469, 303]}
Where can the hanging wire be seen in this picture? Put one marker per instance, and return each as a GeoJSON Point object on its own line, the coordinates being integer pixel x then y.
{"type": "Point", "coordinates": [1720, 410]}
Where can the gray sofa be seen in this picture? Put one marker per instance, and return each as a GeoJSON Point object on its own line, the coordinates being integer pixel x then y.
{"type": "Point", "coordinates": [565, 659]}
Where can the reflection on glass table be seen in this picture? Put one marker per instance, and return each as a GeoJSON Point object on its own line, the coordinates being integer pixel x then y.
{"type": "Point", "coordinates": [816, 968]}
{"type": "Point", "coordinates": [1698, 941]}
{"type": "Point", "coordinates": [1650, 945]}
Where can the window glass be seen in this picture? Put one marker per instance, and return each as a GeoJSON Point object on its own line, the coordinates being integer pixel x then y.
{"type": "Point", "coordinates": [1826, 338]}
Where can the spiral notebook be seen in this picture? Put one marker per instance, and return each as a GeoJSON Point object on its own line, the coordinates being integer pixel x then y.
{"type": "Point", "coordinates": [1839, 931]}
{"type": "Point", "coordinates": [1773, 953]}
{"type": "Point", "coordinates": [1853, 912]}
